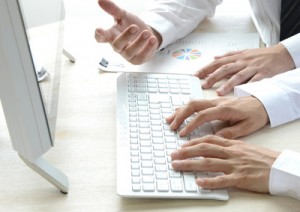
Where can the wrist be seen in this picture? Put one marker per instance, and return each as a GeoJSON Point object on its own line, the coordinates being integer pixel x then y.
{"type": "Point", "coordinates": [292, 45]}
{"type": "Point", "coordinates": [285, 56]}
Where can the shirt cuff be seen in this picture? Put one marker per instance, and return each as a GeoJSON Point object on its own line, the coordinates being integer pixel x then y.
{"type": "Point", "coordinates": [293, 46]}
{"type": "Point", "coordinates": [285, 175]}
{"type": "Point", "coordinates": [165, 30]}
{"type": "Point", "coordinates": [272, 97]}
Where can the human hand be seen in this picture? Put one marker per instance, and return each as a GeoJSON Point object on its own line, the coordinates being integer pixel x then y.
{"type": "Point", "coordinates": [245, 166]}
{"type": "Point", "coordinates": [129, 36]}
{"type": "Point", "coordinates": [245, 66]}
{"type": "Point", "coordinates": [243, 114]}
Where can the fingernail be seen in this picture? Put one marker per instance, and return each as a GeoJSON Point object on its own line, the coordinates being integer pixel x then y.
{"type": "Point", "coordinates": [98, 32]}
{"type": "Point", "coordinates": [133, 30]}
{"type": "Point", "coordinates": [172, 125]}
{"type": "Point", "coordinates": [146, 35]}
{"type": "Point", "coordinates": [221, 91]}
{"type": "Point", "coordinates": [204, 85]}
{"type": "Point", "coordinates": [182, 132]}
{"type": "Point", "coordinates": [199, 181]}
{"type": "Point", "coordinates": [176, 164]}
{"type": "Point", "coordinates": [169, 120]}
{"type": "Point", "coordinates": [152, 40]}
{"type": "Point", "coordinates": [174, 155]}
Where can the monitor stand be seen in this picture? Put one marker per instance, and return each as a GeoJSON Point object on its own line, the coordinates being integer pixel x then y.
{"type": "Point", "coordinates": [49, 172]}
{"type": "Point", "coordinates": [43, 167]}
{"type": "Point", "coordinates": [69, 56]}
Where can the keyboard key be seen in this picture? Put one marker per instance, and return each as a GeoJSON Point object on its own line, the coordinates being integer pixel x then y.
{"type": "Point", "coordinates": [176, 185]}
{"type": "Point", "coordinates": [162, 185]}
{"type": "Point", "coordinates": [158, 154]}
{"type": "Point", "coordinates": [148, 187]}
{"type": "Point", "coordinates": [161, 175]}
{"type": "Point", "coordinates": [136, 187]}
{"type": "Point", "coordinates": [135, 173]}
{"type": "Point", "coordinates": [160, 168]}
{"type": "Point", "coordinates": [147, 164]}
{"type": "Point", "coordinates": [136, 180]}
{"type": "Point", "coordinates": [147, 171]}
{"type": "Point", "coordinates": [148, 179]}
{"type": "Point", "coordinates": [190, 182]}
{"type": "Point", "coordinates": [174, 174]}
{"type": "Point", "coordinates": [160, 160]}
{"type": "Point", "coordinates": [146, 157]}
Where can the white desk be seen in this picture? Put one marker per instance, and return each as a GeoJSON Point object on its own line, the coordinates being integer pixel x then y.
{"type": "Point", "coordinates": [85, 137]}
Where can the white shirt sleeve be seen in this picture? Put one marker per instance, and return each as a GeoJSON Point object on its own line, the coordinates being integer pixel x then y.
{"type": "Point", "coordinates": [285, 175]}
{"type": "Point", "coordinates": [175, 19]}
{"type": "Point", "coordinates": [266, 17]}
{"type": "Point", "coordinates": [293, 46]}
{"type": "Point", "coordinates": [280, 96]}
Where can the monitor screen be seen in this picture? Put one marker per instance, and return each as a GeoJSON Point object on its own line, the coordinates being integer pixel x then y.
{"type": "Point", "coordinates": [30, 66]}
{"type": "Point", "coordinates": [44, 24]}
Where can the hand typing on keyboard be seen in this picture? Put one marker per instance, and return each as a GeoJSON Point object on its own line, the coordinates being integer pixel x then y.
{"type": "Point", "coordinates": [246, 166]}
{"type": "Point", "coordinates": [244, 115]}
{"type": "Point", "coordinates": [145, 141]}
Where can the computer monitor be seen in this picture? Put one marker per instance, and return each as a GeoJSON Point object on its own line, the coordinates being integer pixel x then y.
{"type": "Point", "coordinates": [29, 106]}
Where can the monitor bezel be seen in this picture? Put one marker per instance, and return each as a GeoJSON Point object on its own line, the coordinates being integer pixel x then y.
{"type": "Point", "coordinates": [23, 105]}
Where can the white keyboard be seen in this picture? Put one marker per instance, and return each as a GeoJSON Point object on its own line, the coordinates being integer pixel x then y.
{"type": "Point", "coordinates": [145, 142]}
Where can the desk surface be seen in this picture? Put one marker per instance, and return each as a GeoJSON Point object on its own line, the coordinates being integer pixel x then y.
{"type": "Point", "coordinates": [85, 137]}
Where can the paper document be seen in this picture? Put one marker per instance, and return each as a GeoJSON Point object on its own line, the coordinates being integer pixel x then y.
{"type": "Point", "coordinates": [186, 55]}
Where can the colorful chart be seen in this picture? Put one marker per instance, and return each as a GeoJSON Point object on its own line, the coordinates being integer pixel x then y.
{"type": "Point", "coordinates": [186, 54]}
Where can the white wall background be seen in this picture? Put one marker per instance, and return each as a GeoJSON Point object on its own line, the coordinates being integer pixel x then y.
{"type": "Point", "coordinates": [39, 12]}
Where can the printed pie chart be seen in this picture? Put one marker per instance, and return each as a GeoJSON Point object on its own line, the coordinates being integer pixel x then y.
{"type": "Point", "coordinates": [186, 54]}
